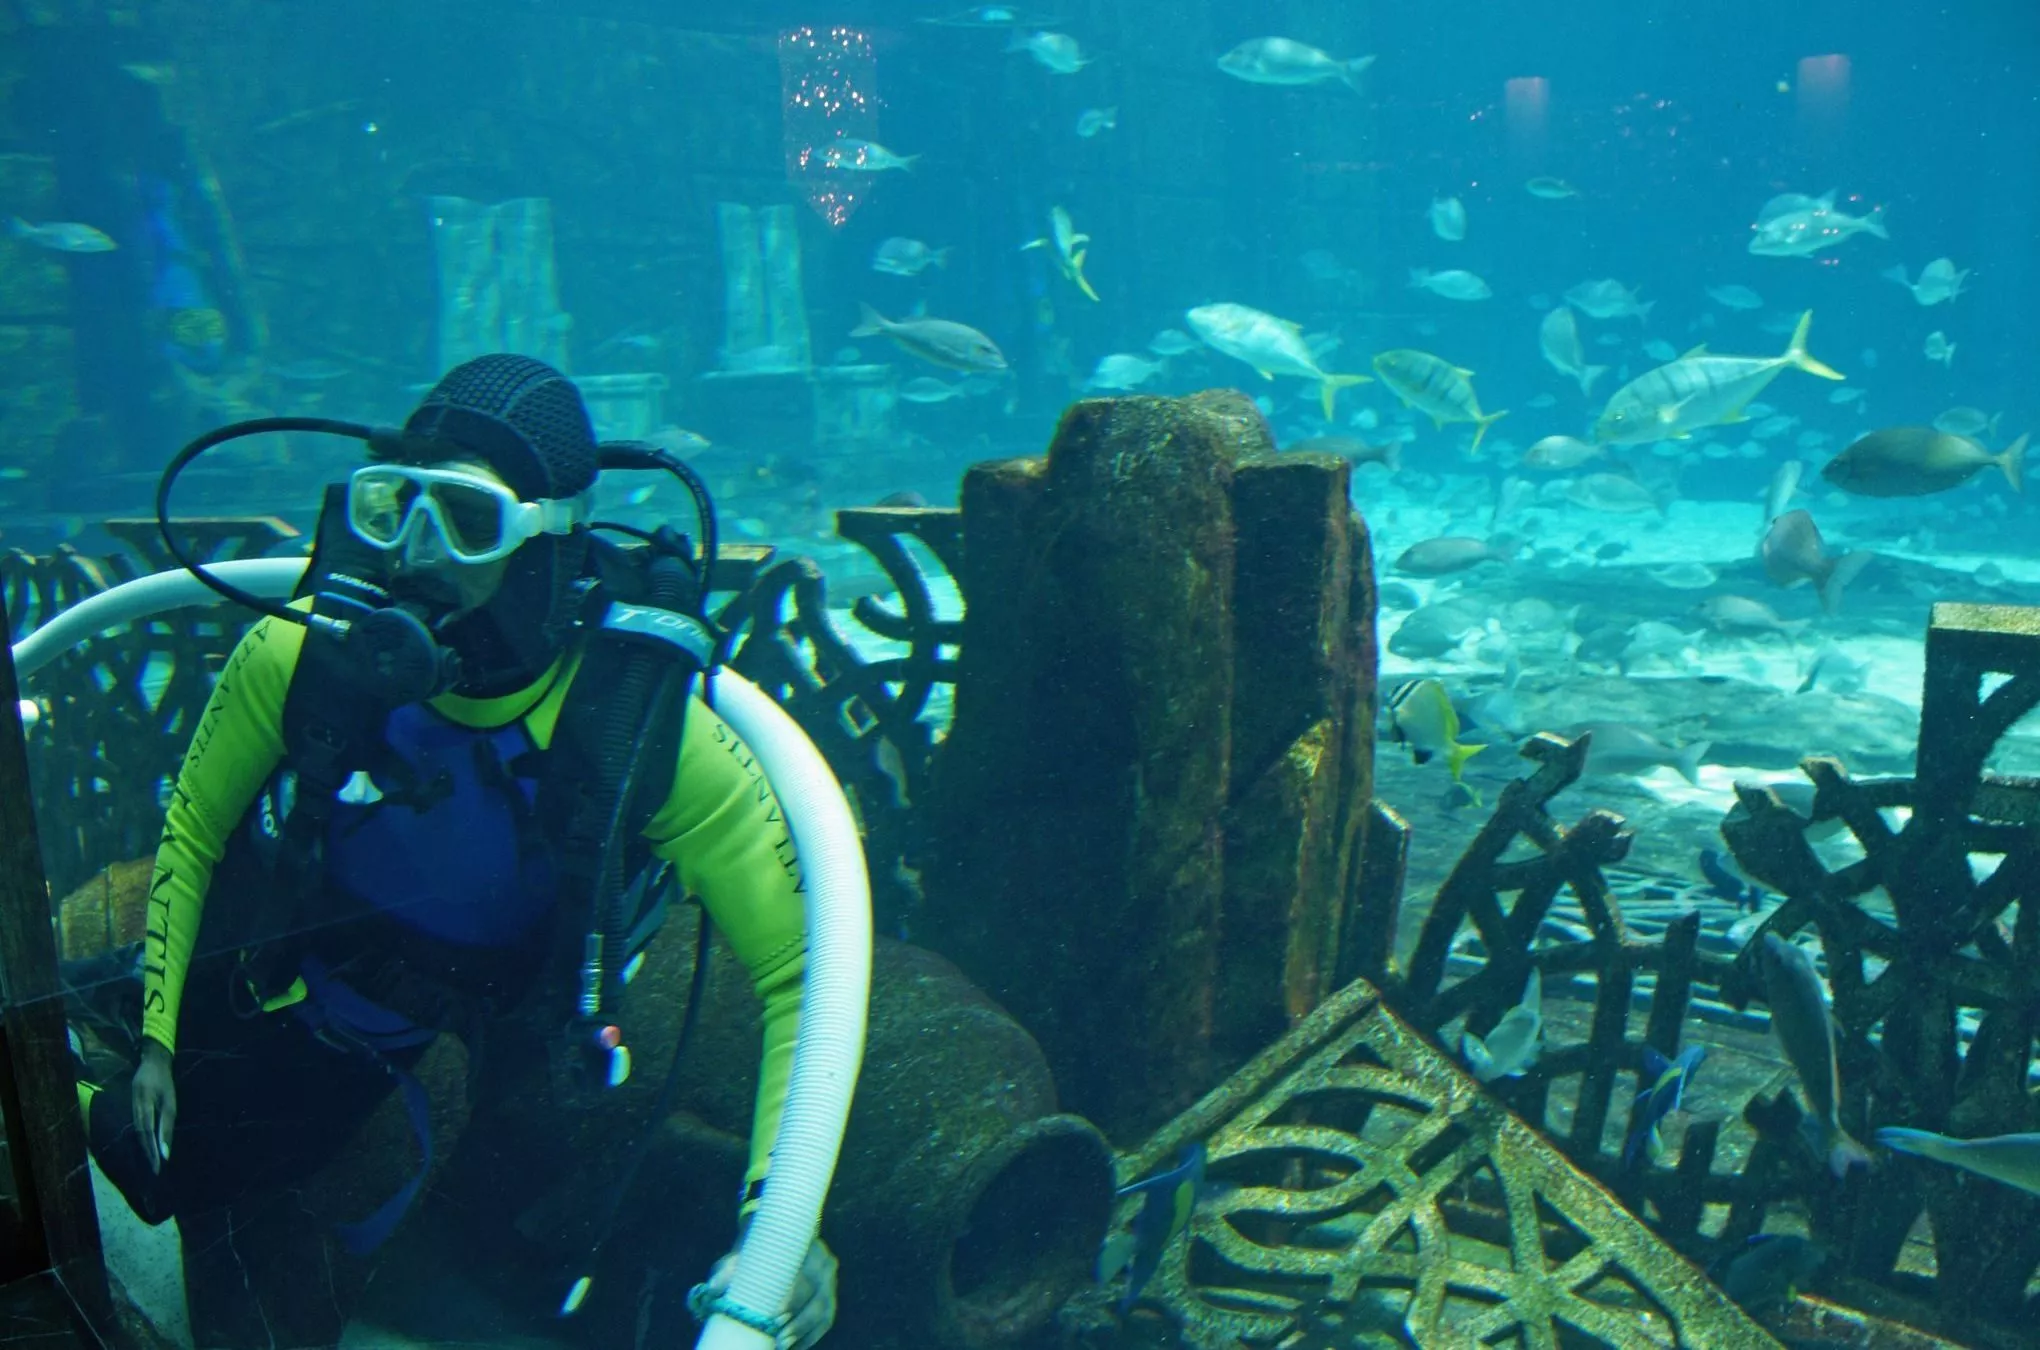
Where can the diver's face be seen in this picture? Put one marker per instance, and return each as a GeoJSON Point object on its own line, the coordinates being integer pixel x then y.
{"type": "Point", "coordinates": [422, 568]}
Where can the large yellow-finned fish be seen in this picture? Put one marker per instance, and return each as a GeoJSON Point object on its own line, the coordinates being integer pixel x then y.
{"type": "Point", "coordinates": [1066, 246]}
{"type": "Point", "coordinates": [1270, 345]}
{"type": "Point", "coordinates": [1435, 387]}
{"type": "Point", "coordinates": [1699, 390]}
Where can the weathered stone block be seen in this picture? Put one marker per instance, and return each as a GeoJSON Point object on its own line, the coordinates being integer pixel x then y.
{"type": "Point", "coordinates": [1303, 721]}
{"type": "Point", "coordinates": [1149, 803]}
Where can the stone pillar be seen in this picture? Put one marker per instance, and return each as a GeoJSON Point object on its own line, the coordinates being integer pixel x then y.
{"type": "Point", "coordinates": [1303, 740]}
{"type": "Point", "coordinates": [1148, 806]}
{"type": "Point", "coordinates": [496, 283]}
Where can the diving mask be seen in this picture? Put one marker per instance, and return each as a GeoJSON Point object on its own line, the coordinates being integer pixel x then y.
{"type": "Point", "coordinates": [468, 516]}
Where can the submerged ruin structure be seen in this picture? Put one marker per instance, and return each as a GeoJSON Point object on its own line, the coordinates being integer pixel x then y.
{"type": "Point", "coordinates": [1148, 900]}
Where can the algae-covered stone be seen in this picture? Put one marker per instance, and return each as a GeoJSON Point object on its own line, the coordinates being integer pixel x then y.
{"type": "Point", "coordinates": [1081, 793]}
{"type": "Point", "coordinates": [1149, 802]}
{"type": "Point", "coordinates": [1302, 761]}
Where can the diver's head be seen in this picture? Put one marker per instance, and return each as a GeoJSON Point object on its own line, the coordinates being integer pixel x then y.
{"type": "Point", "coordinates": [479, 510]}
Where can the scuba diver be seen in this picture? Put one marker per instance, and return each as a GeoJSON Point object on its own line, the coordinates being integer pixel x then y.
{"type": "Point", "coordinates": [448, 788]}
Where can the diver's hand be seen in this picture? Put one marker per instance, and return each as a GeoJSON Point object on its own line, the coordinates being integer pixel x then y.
{"type": "Point", "coordinates": [155, 1103]}
{"type": "Point", "coordinates": [812, 1308]}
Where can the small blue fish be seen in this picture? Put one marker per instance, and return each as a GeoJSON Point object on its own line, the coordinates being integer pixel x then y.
{"type": "Point", "coordinates": [1169, 1199]}
{"type": "Point", "coordinates": [1726, 882]}
{"type": "Point", "coordinates": [1664, 1088]}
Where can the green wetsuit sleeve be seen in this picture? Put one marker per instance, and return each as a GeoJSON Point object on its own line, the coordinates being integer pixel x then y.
{"type": "Point", "coordinates": [238, 744]}
{"type": "Point", "coordinates": [722, 828]}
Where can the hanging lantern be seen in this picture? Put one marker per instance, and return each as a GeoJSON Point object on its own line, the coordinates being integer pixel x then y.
{"type": "Point", "coordinates": [828, 81]}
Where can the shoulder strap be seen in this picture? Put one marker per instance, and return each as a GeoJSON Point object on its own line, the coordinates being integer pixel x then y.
{"type": "Point", "coordinates": [610, 766]}
{"type": "Point", "coordinates": [632, 649]}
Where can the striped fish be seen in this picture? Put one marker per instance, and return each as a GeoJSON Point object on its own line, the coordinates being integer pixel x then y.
{"type": "Point", "coordinates": [1699, 390]}
{"type": "Point", "coordinates": [1435, 387]}
{"type": "Point", "coordinates": [1420, 715]}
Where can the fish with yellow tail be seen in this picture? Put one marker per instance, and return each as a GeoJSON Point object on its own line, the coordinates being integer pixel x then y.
{"type": "Point", "coordinates": [1916, 461]}
{"type": "Point", "coordinates": [1420, 715]}
{"type": "Point", "coordinates": [1699, 390]}
{"type": "Point", "coordinates": [1270, 345]}
{"type": "Point", "coordinates": [1435, 387]}
{"type": "Point", "coordinates": [2013, 1159]}
{"type": "Point", "coordinates": [1167, 1202]}
{"type": "Point", "coordinates": [1066, 246]}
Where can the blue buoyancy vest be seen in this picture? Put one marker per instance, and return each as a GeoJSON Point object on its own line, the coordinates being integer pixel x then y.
{"type": "Point", "coordinates": [440, 838]}
{"type": "Point", "coordinates": [452, 851]}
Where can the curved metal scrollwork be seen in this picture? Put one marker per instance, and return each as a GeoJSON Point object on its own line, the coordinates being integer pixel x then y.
{"type": "Point", "coordinates": [869, 715]}
{"type": "Point", "coordinates": [119, 709]}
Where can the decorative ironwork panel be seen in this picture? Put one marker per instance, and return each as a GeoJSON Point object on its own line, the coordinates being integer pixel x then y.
{"type": "Point", "coordinates": [1358, 1178]}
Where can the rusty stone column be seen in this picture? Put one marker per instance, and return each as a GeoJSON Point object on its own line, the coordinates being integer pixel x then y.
{"type": "Point", "coordinates": [1303, 741]}
{"type": "Point", "coordinates": [1149, 803]}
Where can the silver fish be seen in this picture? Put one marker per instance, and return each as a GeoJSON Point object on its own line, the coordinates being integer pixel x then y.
{"type": "Point", "coordinates": [1447, 554]}
{"type": "Point", "coordinates": [1448, 218]}
{"type": "Point", "coordinates": [1122, 371]}
{"type": "Point", "coordinates": [1058, 53]}
{"type": "Point", "coordinates": [1974, 423]}
{"type": "Point", "coordinates": [62, 236]}
{"type": "Point", "coordinates": [1511, 1045]}
{"type": "Point", "coordinates": [1270, 345]}
{"type": "Point", "coordinates": [2013, 1159]}
{"type": "Point", "coordinates": [1916, 461]}
{"type": "Point", "coordinates": [1699, 390]}
{"type": "Point", "coordinates": [899, 257]}
{"type": "Point", "coordinates": [1800, 1020]}
{"type": "Point", "coordinates": [1094, 120]}
{"type": "Point", "coordinates": [1435, 387]}
{"type": "Point", "coordinates": [1793, 554]}
{"type": "Point", "coordinates": [1619, 748]}
{"type": "Point", "coordinates": [1939, 280]}
{"type": "Point", "coordinates": [1784, 482]}
{"type": "Point", "coordinates": [1431, 631]}
{"type": "Point", "coordinates": [1065, 245]}
{"type": "Point", "coordinates": [852, 155]}
{"type": "Point", "coordinates": [1735, 297]}
{"type": "Point", "coordinates": [1453, 284]}
{"type": "Point", "coordinates": [1740, 616]}
{"type": "Point", "coordinates": [1556, 454]}
{"type": "Point", "coordinates": [1279, 60]}
{"type": "Point", "coordinates": [1558, 338]}
{"type": "Point", "coordinates": [928, 389]}
{"type": "Point", "coordinates": [1809, 225]}
{"type": "Point", "coordinates": [1608, 299]}
{"type": "Point", "coordinates": [941, 341]}
{"type": "Point", "coordinates": [989, 16]}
